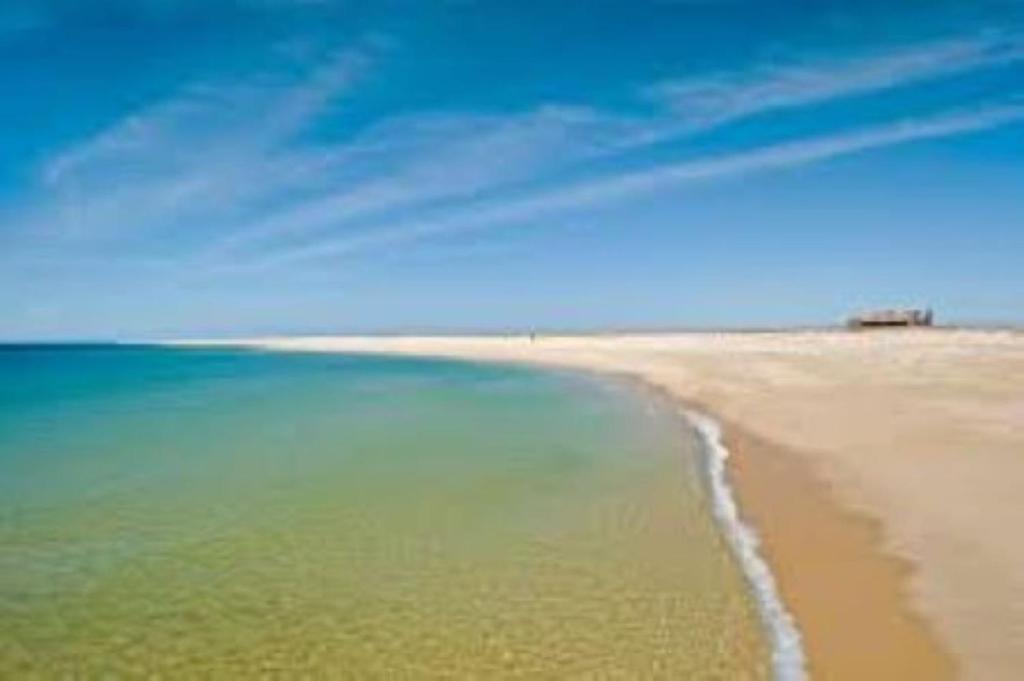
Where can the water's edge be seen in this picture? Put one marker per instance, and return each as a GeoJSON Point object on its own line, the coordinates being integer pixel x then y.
{"type": "Point", "coordinates": [788, 660]}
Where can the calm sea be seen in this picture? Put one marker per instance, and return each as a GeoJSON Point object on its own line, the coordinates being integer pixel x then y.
{"type": "Point", "coordinates": [231, 513]}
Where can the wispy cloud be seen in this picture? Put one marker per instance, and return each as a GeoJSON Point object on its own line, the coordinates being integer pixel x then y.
{"type": "Point", "coordinates": [202, 153]}
{"type": "Point", "coordinates": [618, 187]}
{"type": "Point", "coordinates": [430, 158]}
{"type": "Point", "coordinates": [232, 156]}
{"type": "Point", "coordinates": [466, 156]}
{"type": "Point", "coordinates": [231, 162]}
{"type": "Point", "coordinates": [708, 101]}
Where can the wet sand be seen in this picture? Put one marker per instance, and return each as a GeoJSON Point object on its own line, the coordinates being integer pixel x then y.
{"type": "Point", "coordinates": [883, 471]}
{"type": "Point", "coordinates": [847, 596]}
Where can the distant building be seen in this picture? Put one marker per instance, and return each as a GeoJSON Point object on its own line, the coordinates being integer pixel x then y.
{"type": "Point", "coordinates": [887, 318]}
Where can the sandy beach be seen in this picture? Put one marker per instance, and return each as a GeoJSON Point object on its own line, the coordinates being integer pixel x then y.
{"type": "Point", "coordinates": [882, 470]}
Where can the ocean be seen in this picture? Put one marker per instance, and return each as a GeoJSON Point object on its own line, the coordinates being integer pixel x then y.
{"type": "Point", "coordinates": [229, 513]}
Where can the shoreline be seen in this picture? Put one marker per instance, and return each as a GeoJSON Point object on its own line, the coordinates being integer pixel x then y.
{"type": "Point", "coordinates": [805, 642]}
{"type": "Point", "coordinates": [788, 655]}
{"type": "Point", "coordinates": [846, 449]}
{"type": "Point", "coordinates": [817, 548]}
{"type": "Point", "coordinates": [789, 659]}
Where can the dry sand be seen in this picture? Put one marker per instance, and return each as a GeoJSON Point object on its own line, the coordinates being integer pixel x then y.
{"type": "Point", "coordinates": [883, 470]}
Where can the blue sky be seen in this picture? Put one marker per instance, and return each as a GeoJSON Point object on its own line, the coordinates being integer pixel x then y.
{"type": "Point", "coordinates": [183, 168]}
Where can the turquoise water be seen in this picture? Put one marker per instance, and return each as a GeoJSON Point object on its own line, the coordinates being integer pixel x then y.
{"type": "Point", "coordinates": [229, 513]}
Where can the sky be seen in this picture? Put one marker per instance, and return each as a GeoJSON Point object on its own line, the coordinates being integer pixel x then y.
{"type": "Point", "coordinates": [237, 167]}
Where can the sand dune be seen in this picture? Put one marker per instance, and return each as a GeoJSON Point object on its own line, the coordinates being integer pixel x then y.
{"type": "Point", "coordinates": [884, 471]}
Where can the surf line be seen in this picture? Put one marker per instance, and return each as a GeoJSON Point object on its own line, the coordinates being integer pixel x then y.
{"type": "Point", "coordinates": [788, 660]}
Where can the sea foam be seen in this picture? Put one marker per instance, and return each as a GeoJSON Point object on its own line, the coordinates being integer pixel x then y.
{"type": "Point", "coordinates": [788, 659]}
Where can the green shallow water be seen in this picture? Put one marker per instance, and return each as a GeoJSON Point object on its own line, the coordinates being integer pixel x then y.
{"type": "Point", "coordinates": [215, 514]}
